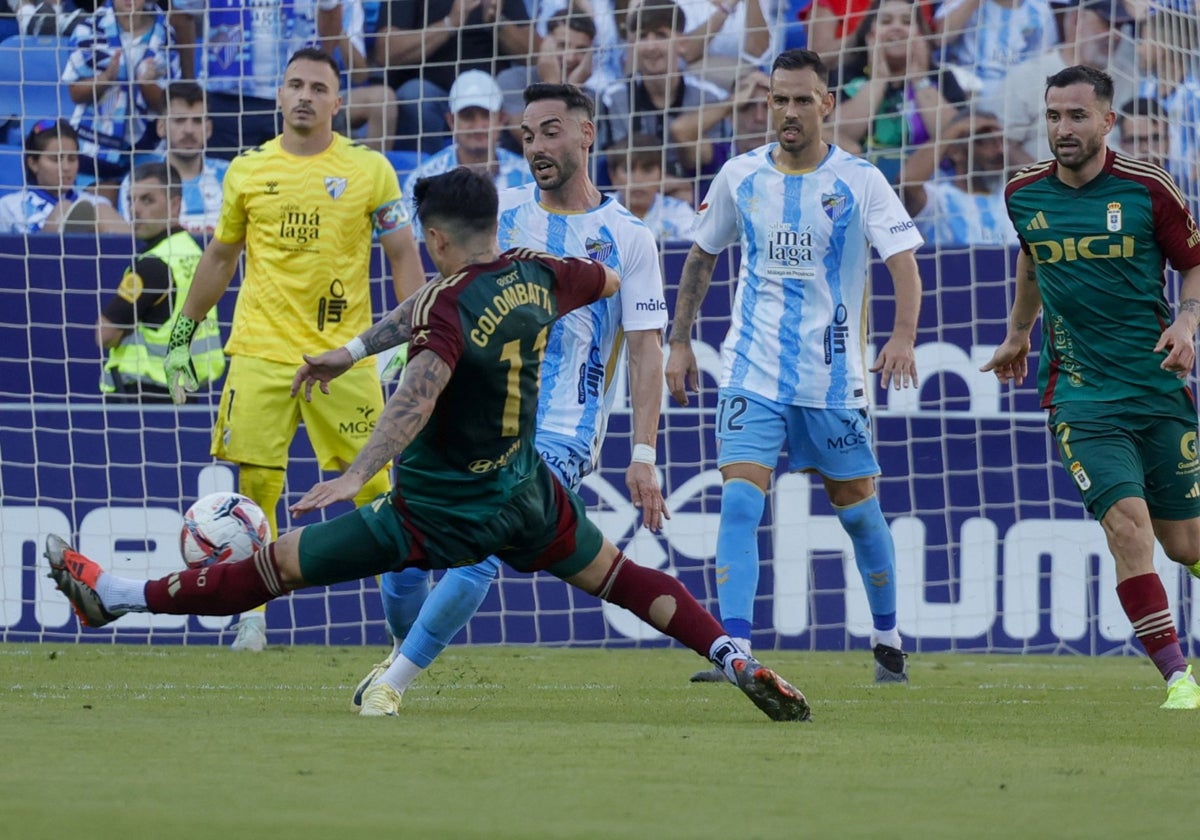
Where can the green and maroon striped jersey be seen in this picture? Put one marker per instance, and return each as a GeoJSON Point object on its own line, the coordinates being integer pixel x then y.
{"type": "Point", "coordinates": [1100, 252]}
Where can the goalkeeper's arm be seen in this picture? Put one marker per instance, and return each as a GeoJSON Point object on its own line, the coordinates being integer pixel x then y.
{"type": "Point", "coordinates": [213, 273]}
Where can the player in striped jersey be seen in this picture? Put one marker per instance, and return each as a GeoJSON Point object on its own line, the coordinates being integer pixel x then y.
{"type": "Point", "coordinates": [1096, 230]}
{"type": "Point", "coordinates": [469, 478]}
{"type": "Point", "coordinates": [803, 212]}
{"type": "Point", "coordinates": [562, 213]}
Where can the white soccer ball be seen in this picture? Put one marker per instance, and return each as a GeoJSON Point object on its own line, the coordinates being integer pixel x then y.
{"type": "Point", "coordinates": [220, 527]}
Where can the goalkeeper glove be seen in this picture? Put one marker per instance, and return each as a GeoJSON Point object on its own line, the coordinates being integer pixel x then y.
{"type": "Point", "coordinates": [179, 367]}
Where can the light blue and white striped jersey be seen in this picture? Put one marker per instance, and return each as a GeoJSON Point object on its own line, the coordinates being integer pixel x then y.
{"type": "Point", "coordinates": [201, 206]}
{"type": "Point", "coordinates": [670, 219]}
{"type": "Point", "coordinates": [798, 324]}
{"type": "Point", "coordinates": [512, 171]}
{"type": "Point", "coordinates": [1182, 110]}
{"type": "Point", "coordinates": [247, 42]}
{"type": "Point", "coordinates": [116, 122]}
{"type": "Point", "coordinates": [954, 218]}
{"type": "Point", "coordinates": [998, 37]}
{"type": "Point", "coordinates": [585, 345]}
{"type": "Point", "coordinates": [27, 211]}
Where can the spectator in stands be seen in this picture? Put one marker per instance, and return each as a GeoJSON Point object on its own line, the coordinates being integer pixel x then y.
{"type": "Point", "coordinates": [425, 46]}
{"type": "Point", "coordinates": [245, 48]}
{"type": "Point", "coordinates": [986, 38]}
{"type": "Point", "coordinates": [966, 208]}
{"type": "Point", "coordinates": [635, 169]}
{"type": "Point", "coordinates": [120, 58]}
{"type": "Point", "coordinates": [1089, 38]}
{"type": "Point", "coordinates": [1168, 46]}
{"type": "Point", "coordinates": [609, 49]}
{"type": "Point", "coordinates": [137, 321]}
{"type": "Point", "coordinates": [564, 57]}
{"type": "Point", "coordinates": [751, 114]}
{"type": "Point", "coordinates": [476, 120]}
{"type": "Point", "coordinates": [54, 19]}
{"type": "Point", "coordinates": [894, 96]}
{"type": "Point", "coordinates": [50, 203]}
{"type": "Point", "coordinates": [185, 129]}
{"type": "Point", "coordinates": [832, 24]}
{"type": "Point", "coordinates": [660, 100]}
{"type": "Point", "coordinates": [723, 36]}
{"type": "Point", "coordinates": [1143, 131]}
{"type": "Point", "coordinates": [369, 104]}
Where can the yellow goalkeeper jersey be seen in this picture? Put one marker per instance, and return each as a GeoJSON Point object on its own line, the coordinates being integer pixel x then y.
{"type": "Point", "coordinates": [308, 224]}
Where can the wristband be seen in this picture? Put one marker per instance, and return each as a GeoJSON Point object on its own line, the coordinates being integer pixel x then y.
{"type": "Point", "coordinates": [356, 349]}
{"type": "Point", "coordinates": [643, 453]}
{"type": "Point", "coordinates": [182, 332]}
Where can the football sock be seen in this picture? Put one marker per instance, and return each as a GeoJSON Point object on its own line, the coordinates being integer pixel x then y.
{"type": "Point", "coordinates": [891, 638]}
{"type": "Point", "coordinates": [1145, 602]}
{"type": "Point", "coordinates": [402, 594]}
{"type": "Point", "coordinates": [723, 652]}
{"type": "Point", "coordinates": [221, 589]}
{"type": "Point", "coordinates": [121, 594]}
{"type": "Point", "coordinates": [742, 504]}
{"type": "Point", "coordinates": [401, 673]}
{"type": "Point", "coordinates": [264, 485]}
{"type": "Point", "coordinates": [662, 602]}
{"type": "Point", "coordinates": [875, 554]}
{"type": "Point", "coordinates": [449, 607]}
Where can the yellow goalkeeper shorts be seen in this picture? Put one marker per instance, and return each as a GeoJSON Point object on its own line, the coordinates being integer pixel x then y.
{"type": "Point", "coordinates": [258, 416]}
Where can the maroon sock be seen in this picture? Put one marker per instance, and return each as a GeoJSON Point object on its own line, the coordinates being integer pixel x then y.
{"type": "Point", "coordinates": [1145, 603]}
{"type": "Point", "coordinates": [221, 589]}
{"type": "Point", "coordinates": [635, 587]}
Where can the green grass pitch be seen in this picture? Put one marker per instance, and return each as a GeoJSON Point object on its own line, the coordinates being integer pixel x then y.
{"type": "Point", "coordinates": [128, 742]}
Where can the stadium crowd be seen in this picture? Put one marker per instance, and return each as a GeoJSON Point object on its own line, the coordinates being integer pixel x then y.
{"type": "Point", "coordinates": [944, 97]}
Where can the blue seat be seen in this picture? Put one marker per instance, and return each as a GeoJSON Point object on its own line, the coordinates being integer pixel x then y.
{"type": "Point", "coordinates": [404, 163]}
{"type": "Point", "coordinates": [12, 169]}
{"type": "Point", "coordinates": [30, 69]}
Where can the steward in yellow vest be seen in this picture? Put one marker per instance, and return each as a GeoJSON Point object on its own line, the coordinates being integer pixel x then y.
{"type": "Point", "coordinates": [136, 322]}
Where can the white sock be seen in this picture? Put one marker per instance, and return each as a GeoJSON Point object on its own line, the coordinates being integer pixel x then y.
{"type": "Point", "coordinates": [723, 652]}
{"type": "Point", "coordinates": [120, 594]}
{"type": "Point", "coordinates": [891, 638]}
{"type": "Point", "coordinates": [744, 644]}
{"type": "Point", "coordinates": [401, 673]}
{"type": "Point", "coordinates": [1176, 677]}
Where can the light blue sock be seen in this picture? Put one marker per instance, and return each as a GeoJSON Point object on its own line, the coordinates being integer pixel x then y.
{"type": "Point", "coordinates": [449, 607]}
{"type": "Point", "coordinates": [737, 554]}
{"type": "Point", "coordinates": [875, 554]}
{"type": "Point", "coordinates": [403, 594]}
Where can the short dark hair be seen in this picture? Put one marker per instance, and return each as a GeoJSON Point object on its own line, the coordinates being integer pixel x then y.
{"type": "Point", "coordinates": [639, 149]}
{"type": "Point", "coordinates": [799, 59]}
{"type": "Point", "coordinates": [314, 54]}
{"type": "Point", "coordinates": [574, 20]}
{"type": "Point", "coordinates": [185, 90]}
{"type": "Point", "coordinates": [1080, 74]}
{"type": "Point", "coordinates": [462, 199]}
{"type": "Point", "coordinates": [43, 131]}
{"type": "Point", "coordinates": [654, 15]}
{"type": "Point", "coordinates": [1141, 106]}
{"type": "Point", "coordinates": [161, 171]}
{"type": "Point", "coordinates": [570, 95]}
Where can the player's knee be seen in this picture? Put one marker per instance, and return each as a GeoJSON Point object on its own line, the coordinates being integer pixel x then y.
{"type": "Point", "coordinates": [285, 552]}
{"type": "Point", "coordinates": [742, 503]}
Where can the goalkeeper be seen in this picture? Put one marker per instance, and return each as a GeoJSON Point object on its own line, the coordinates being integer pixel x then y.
{"type": "Point", "coordinates": [304, 208]}
{"type": "Point", "coordinates": [469, 479]}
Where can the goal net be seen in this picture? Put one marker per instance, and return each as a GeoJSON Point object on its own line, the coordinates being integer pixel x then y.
{"type": "Point", "coordinates": [994, 549]}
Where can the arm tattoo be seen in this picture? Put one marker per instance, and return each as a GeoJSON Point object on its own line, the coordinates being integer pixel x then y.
{"type": "Point", "coordinates": [1021, 326]}
{"type": "Point", "coordinates": [693, 286]}
{"type": "Point", "coordinates": [392, 330]}
{"type": "Point", "coordinates": [405, 414]}
{"type": "Point", "coordinates": [1191, 306]}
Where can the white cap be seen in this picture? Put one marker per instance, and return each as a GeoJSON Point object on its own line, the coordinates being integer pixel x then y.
{"type": "Point", "coordinates": [475, 89]}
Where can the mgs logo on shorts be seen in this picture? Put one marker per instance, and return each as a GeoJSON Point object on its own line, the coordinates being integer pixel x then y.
{"type": "Point", "coordinates": [360, 426]}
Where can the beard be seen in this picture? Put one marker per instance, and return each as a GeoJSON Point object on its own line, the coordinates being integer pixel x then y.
{"type": "Point", "coordinates": [564, 170]}
{"type": "Point", "coordinates": [1076, 158]}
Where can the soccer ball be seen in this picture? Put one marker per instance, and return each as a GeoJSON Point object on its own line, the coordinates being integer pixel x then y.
{"type": "Point", "coordinates": [220, 527]}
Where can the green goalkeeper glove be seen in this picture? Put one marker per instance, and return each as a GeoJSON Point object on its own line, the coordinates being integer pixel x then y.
{"type": "Point", "coordinates": [395, 365]}
{"type": "Point", "coordinates": [179, 367]}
